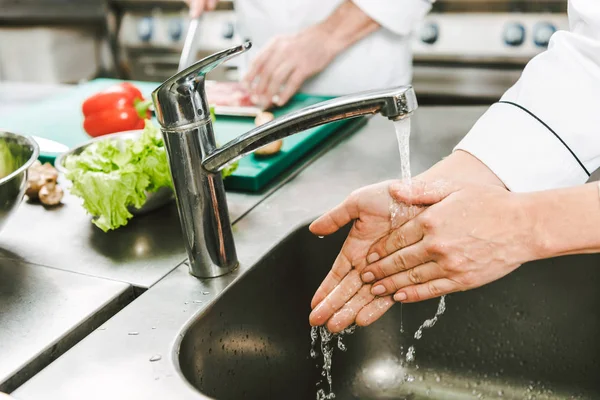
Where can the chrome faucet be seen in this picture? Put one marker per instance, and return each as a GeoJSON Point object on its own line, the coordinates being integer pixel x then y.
{"type": "Point", "coordinates": [195, 161]}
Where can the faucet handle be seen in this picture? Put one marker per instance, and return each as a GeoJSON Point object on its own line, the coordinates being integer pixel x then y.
{"type": "Point", "coordinates": [180, 100]}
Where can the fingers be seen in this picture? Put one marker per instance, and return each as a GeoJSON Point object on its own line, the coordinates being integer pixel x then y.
{"type": "Point", "coordinates": [408, 234]}
{"type": "Point", "coordinates": [414, 276]}
{"type": "Point", "coordinates": [417, 192]}
{"type": "Point", "coordinates": [401, 260]}
{"type": "Point", "coordinates": [257, 65]}
{"type": "Point", "coordinates": [276, 81]}
{"type": "Point", "coordinates": [336, 218]}
{"type": "Point", "coordinates": [290, 88]}
{"type": "Point", "coordinates": [336, 299]}
{"type": "Point", "coordinates": [374, 310]}
{"type": "Point", "coordinates": [341, 266]}
{"type": "Point", "coordinates": [426, 291]}
{"type": "Point", "coordinates": [347, 314]}
{"type": "Point", "coordinates": [196, 7]}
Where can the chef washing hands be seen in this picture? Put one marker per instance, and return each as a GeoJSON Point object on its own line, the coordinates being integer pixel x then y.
{"type": "Point", "coordinates": [323, 47]}
{"type": "Point", "coordinates": [512, 191]}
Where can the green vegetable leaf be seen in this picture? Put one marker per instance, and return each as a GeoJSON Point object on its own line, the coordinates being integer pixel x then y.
{"type": "Point", "coordinates": [113, 175]}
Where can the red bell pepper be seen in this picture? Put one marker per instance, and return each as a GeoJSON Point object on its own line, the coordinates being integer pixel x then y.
{"type": "Point", "coordinates": [118, 108]}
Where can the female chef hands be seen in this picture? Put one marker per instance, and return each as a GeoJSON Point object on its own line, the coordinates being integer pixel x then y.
{"type": "Point", "coordinates": [469, 235]}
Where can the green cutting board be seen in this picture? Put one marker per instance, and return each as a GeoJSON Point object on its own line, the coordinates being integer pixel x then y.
{"type": "Point", "coordinates": [60, 119]}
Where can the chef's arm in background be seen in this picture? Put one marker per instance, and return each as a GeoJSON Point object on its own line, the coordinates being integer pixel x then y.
{"type": "Point", "coordinates": [545, 131]}
{"type": "Point", "coordinates": [197, 7]}
{"type": "Point", "coordinates": [287, 61]}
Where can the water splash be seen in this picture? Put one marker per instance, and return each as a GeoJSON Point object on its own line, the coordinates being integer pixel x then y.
{"type": "Point", "coordinates": [327, 351]}
{"type": "Point", "coordinates": [410, 354]}
{"type": "Point", "coordinates": [429, 323]}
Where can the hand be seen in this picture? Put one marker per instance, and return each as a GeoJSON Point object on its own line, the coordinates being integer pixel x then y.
{"type": "Point", "coordinates": [342, 292]}
{"type": "Point", "coordinates": [197, 7]}
{"type": "Point", "coordinates": [469, 236]}
{"type": "Point", "coordinates": [286, 62]}
{"type": "Point", "coordinates": [458, 164]}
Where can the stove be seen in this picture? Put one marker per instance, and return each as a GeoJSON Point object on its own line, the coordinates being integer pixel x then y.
{"type": "Point", "coordinates": [473, 51]}
{"type": "Point", "coordinates": [151, 37]}
{"type": "Point", "coordinates": [465, 51]}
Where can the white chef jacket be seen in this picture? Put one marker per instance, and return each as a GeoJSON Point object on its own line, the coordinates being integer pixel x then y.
{"type": "Point", "coordinates": [382, 59]}
{"type": "Point", "coordinates": [545, 131]}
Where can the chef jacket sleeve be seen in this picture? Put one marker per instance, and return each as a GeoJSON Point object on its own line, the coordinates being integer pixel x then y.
{"type": "Point", "coordinates": [398, 16]}
{"type": "Point", "coordinates": [545, 131]}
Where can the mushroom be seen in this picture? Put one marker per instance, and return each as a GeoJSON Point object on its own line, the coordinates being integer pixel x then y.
{"type": "Point", "coordinates": [50, 194]}
{"type": "Point", "coordinates": [42, 184]}
{"type": "Point", "coordinates": [271, 148]}
{"type": "Point", "coordinates": [34, 180]}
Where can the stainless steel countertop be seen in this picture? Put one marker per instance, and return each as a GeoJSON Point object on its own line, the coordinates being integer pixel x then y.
{"type": "Point", "coordinates": [45, 311]}
{"type": "Point", "coordinates": [111, 364]}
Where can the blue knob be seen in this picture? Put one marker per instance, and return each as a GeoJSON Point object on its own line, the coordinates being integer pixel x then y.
{"type": "Point", "coordinates": [514, 34]}
{"type": "Point", "coordinates": [228, 30]}
{"type": "Point", "coordinates": [175, 29]}
{"type": "Point", "coordinates": [542, 33]}
{"type": "Point", "coordinates": [144, 29]}
{"type": "Point", "coordinates": [430, 33]}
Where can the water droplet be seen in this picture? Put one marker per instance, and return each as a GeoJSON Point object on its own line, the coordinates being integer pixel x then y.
{"type": "Point", "coordinates": [153, 327]}
{"type": "Point", "coordinates": [102, 328]}
{"type": "Point", "coordinates": [205, 293]}
{"type": "Point", "coordinates": [187, 302]}
{"type": "Point", "coordinates": [197, 301]}
{"type": "Point", "coordinates": [156, 357]}
{"type": "Point", "coordinates": [133, 333]}
{"type": "Point", "coordinates": [320, 237]}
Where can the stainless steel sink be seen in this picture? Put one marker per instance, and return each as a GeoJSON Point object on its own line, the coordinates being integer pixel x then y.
{"type": "Point", "coordinates": [532, 335]}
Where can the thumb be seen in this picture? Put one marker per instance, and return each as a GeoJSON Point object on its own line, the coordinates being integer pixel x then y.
{"type": "Point", "coordinates": [336, 218]}
{"type": "Point", "coordinates": [416, 192]}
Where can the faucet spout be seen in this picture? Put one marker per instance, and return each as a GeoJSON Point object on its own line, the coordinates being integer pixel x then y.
{"type": "Point", "coordinates": [396, 103]}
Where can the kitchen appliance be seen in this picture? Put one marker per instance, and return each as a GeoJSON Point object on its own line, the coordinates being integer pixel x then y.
{"type": "Point", "coordinates": [472, 51]}
{"type": "Point", "coordinates": [465, 51]}
{"type": "Point", "coordinates": [151, 35]}
{"type": "Point", "coordinates": [53, 41]}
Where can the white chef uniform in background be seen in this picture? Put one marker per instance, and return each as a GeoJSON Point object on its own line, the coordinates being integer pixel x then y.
{"type": "Point", "coordinates": [545, 131]}
{"type": "Point", "coordinates": [382, 59]}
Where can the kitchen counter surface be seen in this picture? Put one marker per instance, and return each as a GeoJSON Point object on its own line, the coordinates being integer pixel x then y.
{"type": "Point", "coordinates": [111, 364]}
{"type": "Point", "coordinates": [45, 311]}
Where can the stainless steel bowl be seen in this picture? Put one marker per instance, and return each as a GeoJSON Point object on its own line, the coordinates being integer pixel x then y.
{"type": "Point", "coordinates": [153, 200]}
{"type": "Point", "coordinates": [17, 153]}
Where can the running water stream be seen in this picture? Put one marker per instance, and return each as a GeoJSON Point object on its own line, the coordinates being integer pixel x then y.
{"type": "Point", "coordinates": [327, 348]}
{"type": "Point", "coordinates": [397, 210]}
{"type": "Point", "coordinates": [398, 214]}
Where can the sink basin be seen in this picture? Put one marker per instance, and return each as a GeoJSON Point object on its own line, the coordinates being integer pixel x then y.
{"type": "Point", "coordinates": [534, 334]}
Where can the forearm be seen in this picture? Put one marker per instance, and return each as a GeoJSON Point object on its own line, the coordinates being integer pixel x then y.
{"type": "Point", "coordinates": [461, 166]}
{"type": "Point", "coordinates": [347, 25]}
{"type": "Point", "coordinates": [565, 221]}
